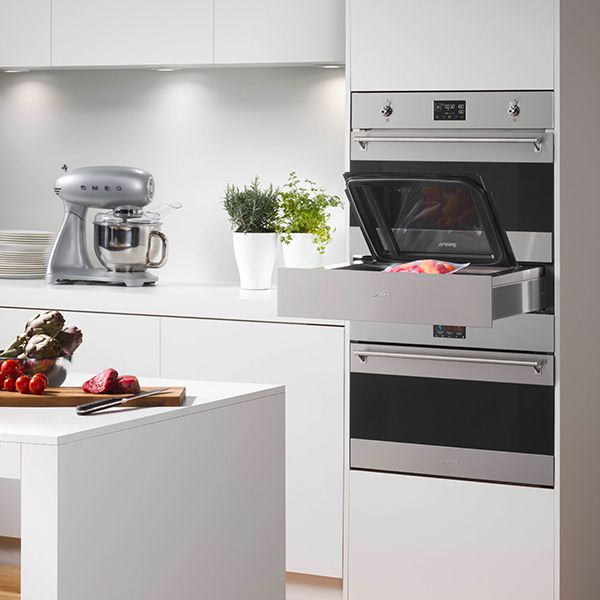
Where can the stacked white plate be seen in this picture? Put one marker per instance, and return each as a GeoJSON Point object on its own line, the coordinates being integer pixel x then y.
{"type": "Point", "coordinates": [24, 254]}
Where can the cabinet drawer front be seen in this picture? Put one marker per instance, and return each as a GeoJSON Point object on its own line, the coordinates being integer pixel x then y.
{"type": "Point", "coordinates": [461, 299]}
{"type": "Point", "coordinates": [10, 460]}
{"type": "Point", "coordinates": [424, 538]}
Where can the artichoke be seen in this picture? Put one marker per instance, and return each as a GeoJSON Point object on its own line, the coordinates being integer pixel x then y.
{"type": "Point", "coordinates": [49, 323]}
{"type": "Point", "coordinates": [42, 346]}
{"type": "Point", "coordinates": [70, 339]}
{"type": "Point", "coordinates": [16, 348]}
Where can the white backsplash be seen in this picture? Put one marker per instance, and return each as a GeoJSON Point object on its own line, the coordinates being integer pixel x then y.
{"type": "Point", "coordinates": [195, 130]}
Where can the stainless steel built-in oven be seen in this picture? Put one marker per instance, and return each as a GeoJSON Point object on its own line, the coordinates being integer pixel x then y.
{"type": "Point", "coordinates": [452, 375]}
{"type": "Point", "coordinates": [452, 413]}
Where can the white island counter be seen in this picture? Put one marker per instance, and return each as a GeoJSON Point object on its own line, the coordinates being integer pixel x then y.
{"type": "Point", "coordinates": [167, 502]}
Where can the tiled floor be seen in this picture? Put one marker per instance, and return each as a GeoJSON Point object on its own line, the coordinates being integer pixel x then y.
{"type": "Point", "coordinates": [303, 587]}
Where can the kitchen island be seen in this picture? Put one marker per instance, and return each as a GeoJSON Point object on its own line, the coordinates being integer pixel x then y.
{"type": "Point", "coordinates": [165, 502]}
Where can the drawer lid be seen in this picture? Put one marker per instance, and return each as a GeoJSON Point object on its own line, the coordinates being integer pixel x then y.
{"type": "Point", "coordinates": [408, 217]}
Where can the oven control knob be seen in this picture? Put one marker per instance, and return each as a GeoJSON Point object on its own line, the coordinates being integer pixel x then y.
{"type": "Point", "coordinates": [387, 110]}
{"type": "Point", "coordinates": [514, 110]}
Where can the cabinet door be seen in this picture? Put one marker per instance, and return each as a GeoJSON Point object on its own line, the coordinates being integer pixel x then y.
{"type": "Point", "coordinates": [279, 31]}
{"type": "Point", "coordinates": [127, 343]}
{"type": "Point", "coordinates": [309, 360]}
{"type": "Point", "coordinates": [131, 32]}
{"type": "Point", "coordinates": [25, 33]}
{"type": "Point", "coordinates": [419, 538]}
{"type": "Point", "coordinates": [463, 45]}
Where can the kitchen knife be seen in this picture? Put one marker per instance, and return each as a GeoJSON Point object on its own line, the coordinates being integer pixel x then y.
{"type": "Point", "coordinates": [96, 405]}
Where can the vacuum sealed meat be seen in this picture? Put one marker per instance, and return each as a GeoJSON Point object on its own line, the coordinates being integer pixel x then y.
{"type": "Point", "coordinates": [429, 266]}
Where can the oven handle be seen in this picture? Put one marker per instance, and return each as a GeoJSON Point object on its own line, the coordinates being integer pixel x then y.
{"type": "Point", "coordinates": [364, 140]}
{"type": "Point", "coordinates": [536, 365]}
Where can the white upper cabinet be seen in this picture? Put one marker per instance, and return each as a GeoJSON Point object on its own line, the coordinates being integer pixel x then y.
{"type": "Point", "coordinates": [459, 45]}
{"type": "Point", "coordinates": [25, 33]}
{"type": "Point", "coordinates": [279, 31]}
{"type": "Point", "coordinates": [131, 32]}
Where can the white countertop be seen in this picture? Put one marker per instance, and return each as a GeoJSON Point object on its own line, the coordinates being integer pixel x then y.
{"type": "Point", "coordinates": [54, 426]}
{"type": "Point", "coordinates": [173, 299]}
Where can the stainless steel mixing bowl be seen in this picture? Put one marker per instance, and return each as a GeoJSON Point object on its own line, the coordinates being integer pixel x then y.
{"type": "Point", "coordinates": [125, 242]}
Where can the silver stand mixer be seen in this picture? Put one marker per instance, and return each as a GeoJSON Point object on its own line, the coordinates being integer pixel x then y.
{"type": "Point", "coordinates": [124, 238]}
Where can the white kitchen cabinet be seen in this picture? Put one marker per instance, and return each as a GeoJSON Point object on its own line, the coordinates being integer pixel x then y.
{"type": "Point", "coordinates": [309, 360]}
{"type": "Point", "coordinates": [25, 33]}
{"type": "Point", "coordinates": [130, 344]}
{"type": "Point", "coordinates": [463, 45]}
{"type": "Point", "coordinates": [131, 32]}
{"type": "Point", "coordinates": [279, 31]}
{"type": "Point", "coordinates": [419, 538]}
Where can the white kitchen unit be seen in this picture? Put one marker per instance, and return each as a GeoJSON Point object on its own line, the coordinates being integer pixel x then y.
{"type": "Point", "coordinates": [25, 33]}
{"type": "Point", "coordinates": [279, 31]}
{"type": "Point", "coordinates": [131, 32]}
{"type": "Point", "coordinates": [164, 502]}
{"type": "Point", "coordinates": [128, 343]}
{"type": "Point", "coordinates": [419, 538]}
{"type": "Point", "coordinates": [421, 45]}
{"type": "Point", "coordinates": [310, 361]}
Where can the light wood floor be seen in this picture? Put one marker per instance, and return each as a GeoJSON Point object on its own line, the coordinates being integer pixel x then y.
{"type": "Point", "coordinates": [10, 576]}
{"type": "Point", "coordinates": [298, 587]}
{"type": "Point", "coordinates": [305, 587]}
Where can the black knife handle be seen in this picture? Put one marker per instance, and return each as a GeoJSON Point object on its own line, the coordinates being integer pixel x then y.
{"type": "Point", "coordinates": [91, 407]}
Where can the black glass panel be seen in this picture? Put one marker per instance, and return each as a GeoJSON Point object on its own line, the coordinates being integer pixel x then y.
{"type": "Point", "coordinates": [407, 217]}
{"type": "Point", "coordinates": [523, 193]}
{"type": "Point", "coordinates": [443, 412]}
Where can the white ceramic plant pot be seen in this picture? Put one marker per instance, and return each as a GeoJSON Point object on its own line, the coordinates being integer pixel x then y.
{"type": "Point", "coordinates": [301, 252]}
{"type": "Point", "coordinates": [255, 257]}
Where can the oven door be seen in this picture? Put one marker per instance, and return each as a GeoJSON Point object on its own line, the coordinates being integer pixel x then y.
{"type": "Point", "coordinates": [485, 416]}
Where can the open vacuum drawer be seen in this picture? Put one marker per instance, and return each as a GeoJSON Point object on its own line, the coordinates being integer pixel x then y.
{"type": "Point", "coordinates": [475, 297]}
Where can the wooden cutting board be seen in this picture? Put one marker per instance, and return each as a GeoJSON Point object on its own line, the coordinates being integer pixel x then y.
{"type": "Point", "coordinates": [74, 396]}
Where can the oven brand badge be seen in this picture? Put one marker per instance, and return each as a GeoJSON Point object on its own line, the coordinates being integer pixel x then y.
{"type": "Point", "coordinates": [447, 245]}
{"type": "Point", "coordinates": [381, 295]}
{"type": "Point", "coordinates": [448, 461]}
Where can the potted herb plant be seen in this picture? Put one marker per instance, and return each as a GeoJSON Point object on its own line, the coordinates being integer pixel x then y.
{"type": "Point", "coordinates": [253, 214]}
{"type": "Point", "coordinates": [302, 226]}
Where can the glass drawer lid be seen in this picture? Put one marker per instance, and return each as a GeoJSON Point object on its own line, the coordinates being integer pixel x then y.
{"type": "Point", "coordinates": [408, 217]}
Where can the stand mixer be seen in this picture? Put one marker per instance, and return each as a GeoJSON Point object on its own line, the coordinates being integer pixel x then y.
{"type": "Point", "coordinates": [124, 237]}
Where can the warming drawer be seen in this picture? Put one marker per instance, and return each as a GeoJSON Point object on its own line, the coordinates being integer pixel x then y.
{"type": "Point", "coordinates": [475, 297]}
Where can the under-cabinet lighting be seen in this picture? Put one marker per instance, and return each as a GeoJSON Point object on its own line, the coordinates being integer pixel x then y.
{"type": "Point", "coordinates": [16, 70]}
{"type": "Point", "coordinates": [331, 66]}
{"type": "Point", "coordinates": [165, 69]}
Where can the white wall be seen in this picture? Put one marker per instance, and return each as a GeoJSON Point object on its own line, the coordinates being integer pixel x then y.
{"type": "Point", "coordinates": [195, 130]}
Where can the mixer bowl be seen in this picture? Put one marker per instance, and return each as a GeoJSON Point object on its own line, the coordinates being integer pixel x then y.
{"type": "Point", "coordinates": [128, 248]}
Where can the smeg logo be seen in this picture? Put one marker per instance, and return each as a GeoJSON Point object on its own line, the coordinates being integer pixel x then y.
{"type": "Point", "coordinates": [381, 295]}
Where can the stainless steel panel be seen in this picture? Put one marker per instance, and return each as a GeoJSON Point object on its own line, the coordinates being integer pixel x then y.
{"type": "Point", "coordinates": [479, 146]}
{"type": "Point", "coordinates": [531, 246]}
{"type": "Point", "coordinates": [443, 461]}
{"type": "Point", "coordinates": [530, 333]}
{"type": "Point", "coordinates": [461, 299]}
{"type": "Point", "coordinates": [444, 363]}
{"type": "Point", "coordinates": [484, 110]}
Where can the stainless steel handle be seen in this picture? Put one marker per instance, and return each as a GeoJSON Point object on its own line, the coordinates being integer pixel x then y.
{"type": "Point", "coordinates": [364, 140]}
{"type": "Point", "coordinates": [164, 250]}
{"type": "Point", "coordinates": [536, 365]}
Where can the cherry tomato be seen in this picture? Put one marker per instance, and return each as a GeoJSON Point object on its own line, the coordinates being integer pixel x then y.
{"type": "Point", "coordinates": [22, 384]}
{"type": "Point", "coordinates": [9, 384]}
{"type": "Point", "coordinates": [9, 367]}
{"type": "Point", "coordinates": [37, 385]}
{"type": "Point", "coordinates": [2, 378]}
{"type": "Point", "coordinates": [42, 377]}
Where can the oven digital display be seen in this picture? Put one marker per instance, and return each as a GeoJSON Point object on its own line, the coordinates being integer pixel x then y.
{"type": "Point", "coordinates": [449, 110]}
{"type": "Point", "coordinates": [454, 332]}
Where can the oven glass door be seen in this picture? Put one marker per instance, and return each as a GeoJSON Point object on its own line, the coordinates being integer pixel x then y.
{"type": "Point", "coordinates": [464, 414]}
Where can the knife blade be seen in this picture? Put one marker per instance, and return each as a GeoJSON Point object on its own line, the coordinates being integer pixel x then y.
{"type": "Point", "coordinates": [97, 405]}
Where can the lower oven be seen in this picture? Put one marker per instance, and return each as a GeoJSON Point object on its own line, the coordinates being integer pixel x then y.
{"type": "Point", "coordinates": [452, 413]}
